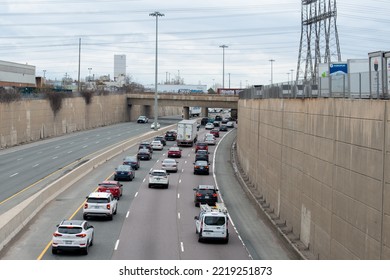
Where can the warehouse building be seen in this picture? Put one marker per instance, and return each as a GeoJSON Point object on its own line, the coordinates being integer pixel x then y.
{"type": "Point", "coordinates": [16, 75]}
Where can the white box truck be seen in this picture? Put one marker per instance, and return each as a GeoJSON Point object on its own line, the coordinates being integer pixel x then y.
{"type": "Point", "coordinates": [195, 111]}
{"type": "Point", "coordinates": [187, 133]}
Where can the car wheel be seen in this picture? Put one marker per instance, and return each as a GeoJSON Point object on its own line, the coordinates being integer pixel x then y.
{"type": "Point", "coordinates": [166, 186]}
{"type": "Point", "coordinates": [85, 250]}
{"type": "Point", "coordinates": [54, 251]}
{"type": "Point", "coordinates": [116, 208]}
{"type": "Point", "coordinates": [91, 243]}
{"type": "Point", "coordinates": [85, 217]}
{"type": "Point", "coordinates": [149, 186]}
{"type": "Point", "coordinates": [110, 217]}
{"type": "Point", "coordinates": [200, 237]}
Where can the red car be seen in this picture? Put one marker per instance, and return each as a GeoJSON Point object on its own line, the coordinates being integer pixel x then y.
{"type": "Point", "coordinates": [113, 187]}
{"type": "Point", "coordinates": [215, 132]}
{"type": "Point", "coordinates": [201, 146]}
{"type": "Point", "coordinates": [174, 152]}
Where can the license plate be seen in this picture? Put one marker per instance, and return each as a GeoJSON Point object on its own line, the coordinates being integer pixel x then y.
{"type": "Point", "coordinates": [206, 196]}
{"type": "Point", "coordinates": [68, 242]}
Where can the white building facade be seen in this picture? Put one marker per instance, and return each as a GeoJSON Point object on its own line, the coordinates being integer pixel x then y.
{"type": "Point", "coordinates": [16, 74]}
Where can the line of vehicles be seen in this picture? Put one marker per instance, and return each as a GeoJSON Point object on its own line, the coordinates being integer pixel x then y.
{"type": "Point", "coordinates": [212, 221]}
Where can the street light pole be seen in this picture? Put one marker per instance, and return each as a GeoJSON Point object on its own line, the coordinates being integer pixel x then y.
{"type": "Point", "coordinates": [156, 14]}
{"type": "Point", "coordinates": [272, 71]}
{"type": "Point", "coordinates": [223, 64]}
{"type": "Point", "coordinates": [89, 77]}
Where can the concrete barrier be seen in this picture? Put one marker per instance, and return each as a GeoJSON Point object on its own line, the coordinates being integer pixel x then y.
{"type": "Point", "coordinates": [13, 221]}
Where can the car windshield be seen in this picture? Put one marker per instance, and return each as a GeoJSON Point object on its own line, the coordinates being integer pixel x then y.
{"type": "Point", "coordinates": [214, 221]}
{"type": "Point", "coordinates": [107, 185]}
{"type": "Point", "coordinates": [174, 149]}
{"type": "Point", "coordinates": [201, 163]}
{"type": "Point", "coordinates": [97, 200]}
{"type": "Point", "coordinates": [202, 152]}
{"type": "Point", "coordinates": [169, 161]}
{"type": "Point", "coordinates": [69, 230]}
{"type": "Point", "coordinates": [143, 151]}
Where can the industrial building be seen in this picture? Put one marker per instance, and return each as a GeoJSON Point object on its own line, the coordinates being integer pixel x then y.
{"type": "Point", "coordinates": [16, 74]}
{"type": "Point", "coordinates": [119, 66]}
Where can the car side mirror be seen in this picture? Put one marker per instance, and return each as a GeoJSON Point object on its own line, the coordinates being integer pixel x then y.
{"type": "Point", "coordinates": [90, 226]}
{"type": "Point", "coordinates": [194, 189]}
{"type": "Point", "coordinates": [196, 218]}
{"type": "Point", "coordinates": [121, 185]}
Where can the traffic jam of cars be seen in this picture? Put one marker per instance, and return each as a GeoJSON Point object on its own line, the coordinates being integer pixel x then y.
{"type": "Point", "coordinates": [102, 203]}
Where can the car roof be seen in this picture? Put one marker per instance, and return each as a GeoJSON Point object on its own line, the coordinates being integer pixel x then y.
{"type": "Point", "coordinates": [131, 157]}
{"type": "Point", "coordinates": [169, 159]}
{"type": "Point", "coordinates": [109, 182]}
{"type": "Point", "coordinates": [99, 194]}
{"type": "Point", "coordinates": [201, 162]}
{"type": "Point", "coordinates": [206, 187]}
{"type": "Point", "coordinates": [143, 151]}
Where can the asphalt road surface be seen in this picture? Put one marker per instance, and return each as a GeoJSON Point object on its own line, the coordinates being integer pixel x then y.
{"type": "Point", "coordinates": [155, 223]}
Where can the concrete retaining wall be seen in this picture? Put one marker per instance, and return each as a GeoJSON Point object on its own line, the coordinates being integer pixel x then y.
{"type": "Point", "coordinates": [322, 166]}
{"type": "Point", "coordinates": [31, 120]}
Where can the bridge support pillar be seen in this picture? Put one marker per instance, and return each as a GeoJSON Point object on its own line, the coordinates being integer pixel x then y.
{"type": "Point", "coordinates": [205, 112]}
{"type": "Point", "coordinates": [186, 113]}
{"type": "Point", "coordinates": [233, 113]}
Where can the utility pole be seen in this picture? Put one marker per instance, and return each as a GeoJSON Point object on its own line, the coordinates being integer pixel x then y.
{"type": "Point", "coordinates": [272, 70]}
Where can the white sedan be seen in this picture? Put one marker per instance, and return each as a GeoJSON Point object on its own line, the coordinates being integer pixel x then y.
{"type": "Point", "coordinates": [157, 145]}
{"type": "Point", "coordinates": [209, 139]}
{"type": "Point", "coordinates": [154, 124]}
{"type": "Point", "coordinates": [169, 165]}
{"type": "Point", "coordinates": [209, 126]}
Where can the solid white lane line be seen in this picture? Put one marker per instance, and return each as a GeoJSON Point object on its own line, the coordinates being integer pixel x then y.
{"type": "Point", "coordinates": [58, 147]}
{"type": "Point", "coordinates": [136, 194]}
{"type": "Point", "coordinates": [182, 246]}
{"type": "Point", "coordinates": [85, 146]}
{"type": "Point", "coordinates": [158, 160]}
{"type": "Point", "coordinates": [144, 180]}
{"type": "Point", "coordinates": [179, 181]}
{"type": "Point", "coordinates": [127, 214]}
{"type": "Point", "coordinates": [182, 171]}
{"type": "Point", "coordinates": [185, 162]}
{"type": "Point", "coordinates": [178, 195]}
{"type": "Point", "coordinates": [116, 245]}
{"type": "Point", "coordinates": [19, 158]}
{"type": "Point", "coordinates": [13, 175]}
{"type": "Point", "coordinates": [69, 152]}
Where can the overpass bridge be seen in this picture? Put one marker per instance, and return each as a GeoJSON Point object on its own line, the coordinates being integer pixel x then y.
{"type": "Point", "coordinates": [186, 101]}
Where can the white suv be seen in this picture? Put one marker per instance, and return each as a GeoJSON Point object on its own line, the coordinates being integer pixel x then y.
{"type": "Point", "coordinates": [158, 178]}
{"type": "Point", "coordinates": [72, 235]}
{"type": "Point", "coordinates": [100, 204]}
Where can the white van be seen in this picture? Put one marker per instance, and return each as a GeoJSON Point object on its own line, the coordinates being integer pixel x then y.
{"type": "Point", "coordinates": [212, 223]}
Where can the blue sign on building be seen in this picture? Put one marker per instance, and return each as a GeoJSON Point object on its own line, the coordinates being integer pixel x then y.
{"type": "Point", "coordinates": [338, 69]}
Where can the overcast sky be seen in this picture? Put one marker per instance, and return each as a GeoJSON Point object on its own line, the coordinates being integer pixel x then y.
{"type": "Point", "coordinates": [46, 33]}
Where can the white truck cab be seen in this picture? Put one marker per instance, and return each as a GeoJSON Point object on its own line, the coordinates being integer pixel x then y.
{"type": "Point", "coordinates": [212, 223]}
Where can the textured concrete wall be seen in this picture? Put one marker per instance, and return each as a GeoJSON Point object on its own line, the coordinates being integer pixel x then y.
{"type": "Point", "coordinates": [30, 120]}
{"type": "Point", "coordinates": [322, 167]}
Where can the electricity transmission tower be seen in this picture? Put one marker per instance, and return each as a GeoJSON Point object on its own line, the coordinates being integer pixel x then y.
{"type": "Point", "coordinates": [319, 37]}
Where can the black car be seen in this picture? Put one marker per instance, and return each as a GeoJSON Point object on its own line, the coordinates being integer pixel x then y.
{"type": "Point", "coordinates": [201, 167]}
{"type": "Point", "coordinates": [124, 172]}
{"type": "Point", "coordinates": [170, 135]}
{"type": "Point", "coordinates": [202, 155]}
{"type": "Point", "coordinates": [223, 127]}
{"type": "Point", "coordinates": [218, 118]}
{"type": "Point", "coordinates": [144, 154]}
{"type": "Point", "coordinates": [145, 145]}
{"type": "Point", "coordinates": [205, 194]}
{"type": "Point", "coordinates": [161, 139]}
{"type": "Point", "coordinates": [204, 121]}
{"type": "Point", "coordinates": [133, 161]}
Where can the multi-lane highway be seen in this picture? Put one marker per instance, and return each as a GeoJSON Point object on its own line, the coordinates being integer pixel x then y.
{"type": "Point", "coordinates": [153, 223]}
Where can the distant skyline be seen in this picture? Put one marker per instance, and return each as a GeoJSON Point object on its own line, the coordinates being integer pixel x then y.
{"type": "Point", "coordinates": [46, 34]}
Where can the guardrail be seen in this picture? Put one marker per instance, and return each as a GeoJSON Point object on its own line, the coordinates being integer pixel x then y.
{"type": "Point", "coordinates": [13, 221]}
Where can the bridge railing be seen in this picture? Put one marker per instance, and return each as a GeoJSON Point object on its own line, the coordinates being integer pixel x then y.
{"type": "Point", "coordinates": [354, 85]}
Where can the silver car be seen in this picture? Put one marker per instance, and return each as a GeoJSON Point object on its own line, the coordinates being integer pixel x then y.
{"type": "Point", "coordinates": [169, 165]}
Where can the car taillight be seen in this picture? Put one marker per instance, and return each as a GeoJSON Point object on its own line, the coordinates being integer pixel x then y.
{"type": "Point", "coordinates": [198, 194]}
{"type": "Point", "coordinates": [81, 235]}
{"type": "Point", "coordinates": [85, 205]}
{"type": "Point", "coordinates": [108, 206]}
{"type": "Point", "coordinates": [215, 195]}
{"type": "Point", "coordinates": [56, 234]}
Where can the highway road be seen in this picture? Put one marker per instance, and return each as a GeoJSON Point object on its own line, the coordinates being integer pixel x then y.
{"type": "Point", "coordinates": [155, 223]}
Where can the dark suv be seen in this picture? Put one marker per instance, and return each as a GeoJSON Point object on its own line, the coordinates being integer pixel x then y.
{"type": "Point", "coordinates": [170, 135]}
{"type": "Point", "coordinates": [133, 161]}
{"type": "Point", "coordinates": [202, 155]}
{"type": "Point", "coordinates": [205, 194]}
{"type": "Point", "coordinates": [145, 145]}
{"type": "Point", "coordinates": [144, 154]}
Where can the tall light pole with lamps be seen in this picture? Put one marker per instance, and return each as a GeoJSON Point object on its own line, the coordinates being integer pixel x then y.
{"type": "Point", "coordinates": [223, 64]}
{"type": "Point", "coordinates": [156, 14]}
{"type": "Point", "coordinates": [272, 70]}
